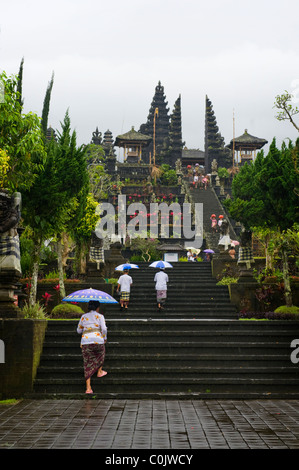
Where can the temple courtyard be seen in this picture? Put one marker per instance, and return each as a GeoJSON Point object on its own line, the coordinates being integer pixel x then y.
{"type": "Point", "coordinates": [150, 424]}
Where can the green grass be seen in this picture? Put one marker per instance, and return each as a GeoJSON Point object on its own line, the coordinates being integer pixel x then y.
{"type": "Point", "coordinates": [254, 319]}
{"type": "Point", "coordinates": [11, 401]}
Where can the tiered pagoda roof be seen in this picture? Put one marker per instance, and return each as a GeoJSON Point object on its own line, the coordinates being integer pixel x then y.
{"type": "Point", "coordinates": [247, 141]}
{"type": "Point", "coordinates": [132, 137]}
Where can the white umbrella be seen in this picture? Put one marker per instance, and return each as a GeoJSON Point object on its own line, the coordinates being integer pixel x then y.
{"type": "Point", "coordinates": [193, 250]}
{"type": "Point", "coordinates": [121, 267]}
{"type": "Point", "coordinates": [160, 264]}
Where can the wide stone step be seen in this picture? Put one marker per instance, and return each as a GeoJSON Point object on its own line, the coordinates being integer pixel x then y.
{"type": "Point", "coordinates": [157, 347]}
{"type": "Point", "coordinates": [137, 372]}
{"type": "Point", "coordinates": [176, 384]}
{"type": "Point", "coordinates": [189, 395]}
{"type": "Point", "coordinates": [199, 336]}
{"type": "Point", "coordinates": [276, 326]}
{"type": "Point", "coordinates": [168, 359]}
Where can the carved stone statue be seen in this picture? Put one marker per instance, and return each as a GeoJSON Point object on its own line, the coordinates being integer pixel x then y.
{"type": "Point", "coordinates": [245, 259]}
{"type": "Point", "coordinates": [96, 252]}
{"type": "Point", "coordinates": [178, 166]}
{"type": "Point", "coordinates": [224, 241]}
{"type": "Point", "coordinates": [214, 166]}
{"type": "Point", "coordinates": [10, 266]}
{"type": "Point", "coordinates": [153, 197]}
{"type": "Point", "coordinates": [10, 213]}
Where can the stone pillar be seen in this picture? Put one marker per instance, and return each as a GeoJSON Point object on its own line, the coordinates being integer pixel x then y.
{"type": "Point", "coordinates": [242, 294]}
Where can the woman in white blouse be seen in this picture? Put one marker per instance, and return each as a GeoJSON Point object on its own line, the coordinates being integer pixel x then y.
{"type": "Point", "coordinates": [93, 328]}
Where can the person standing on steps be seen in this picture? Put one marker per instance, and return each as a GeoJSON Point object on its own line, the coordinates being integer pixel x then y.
{"type": "Point", "coordinates": [205, 182]}
{"type": "Point", "coordinates": [124, 287]}
{"type": "Point", "coordinates": [92, 327]}
{"type": "Point", "coordinates": [214, 223]}
{"type": "Point", "coordinates": [161, 279]}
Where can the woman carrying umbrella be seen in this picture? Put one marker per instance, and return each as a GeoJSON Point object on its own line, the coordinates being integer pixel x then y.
{"type": "Point", "coordinates": [93, 328]}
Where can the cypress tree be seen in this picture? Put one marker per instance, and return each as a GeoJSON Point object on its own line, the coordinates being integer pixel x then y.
{"type": "Point", "coordinates": [46, 106]}
{"type": "Point", "coordinates": [20, 83]}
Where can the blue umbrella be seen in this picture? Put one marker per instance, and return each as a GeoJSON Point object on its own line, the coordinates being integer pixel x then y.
{"type": "Point", "coordinates": [122, 267]}
{"type": "Point", "coordinates": [86, 295]}
{"type": "Point", "coordinates": [160, 264]}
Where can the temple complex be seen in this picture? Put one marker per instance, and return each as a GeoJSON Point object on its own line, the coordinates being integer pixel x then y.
{"type": "Point", "coordinates": [159, 141]}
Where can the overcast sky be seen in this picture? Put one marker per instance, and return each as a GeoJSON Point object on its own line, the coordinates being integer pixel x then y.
{"type": "Point", "coordinates": [108, 56]}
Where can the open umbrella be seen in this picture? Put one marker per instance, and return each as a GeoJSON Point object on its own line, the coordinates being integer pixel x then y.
{"type": "Point", "coordinates": [124, 266]}
{"type": "Point", "coordinates": [160, 264]}
{"type": "Point", "coordinates": [208, 251]}
{"type": "Point", "coordinates": [85, 295]}
{"type": "Point", "coordinates": [193, 250]}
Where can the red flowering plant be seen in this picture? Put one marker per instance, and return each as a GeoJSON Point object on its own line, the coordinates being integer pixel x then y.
{"type": "Point", "coordinates": [57, 288]}
{"type": "Point", "coordinates": [47, 298]}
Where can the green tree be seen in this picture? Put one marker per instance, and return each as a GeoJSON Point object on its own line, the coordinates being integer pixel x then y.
{"type": "Point", "coordinates": [264, 196]}
{"type": "Point", "coordinates": [83, 225]}
{"type": "Point", "coordinates": [46, 106]}
{"type": "Point", "coordinates": [286, 110]}
{"type": "Point", "coordinates": [20, 137]}
{"type": "Point", "coordinates": [48, 203]}
{"type": "Point", "coordinates": [20, 82]}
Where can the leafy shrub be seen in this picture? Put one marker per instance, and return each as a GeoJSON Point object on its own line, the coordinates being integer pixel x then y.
{"type": "Point", "coordinates": [223, 172]}
{"type": "Point", "coordinates": [268, 315]}
{"type": "Point", "coordinates": [136, 258]}
{"type": "Point", "coordinates": [54, 275]}
{"type": "Point", "coordinates": [36, 311]}
{"type": "Point", "coordinates": [66, 311]}
{"type": "Point", "coordinates": [284, 309]}
{"type": "Point", "coordinates": [225, 281]}
{"type": "Point", "coordinates": [111, 280]}
{"type": "Point", "coordinates": [168, 176]}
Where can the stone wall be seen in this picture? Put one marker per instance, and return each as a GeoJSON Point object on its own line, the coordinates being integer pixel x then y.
{"type": "Point", "coordinates": [23, 342]}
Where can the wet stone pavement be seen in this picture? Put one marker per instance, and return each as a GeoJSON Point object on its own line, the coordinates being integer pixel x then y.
{"type": "Point", "coordinates": [150, 424]}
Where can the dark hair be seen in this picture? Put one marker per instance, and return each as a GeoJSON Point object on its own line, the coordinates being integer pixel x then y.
{"type": "Point", "coordinates": [93, 304]}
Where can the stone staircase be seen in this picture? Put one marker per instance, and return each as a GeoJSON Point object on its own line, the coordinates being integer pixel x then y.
{"type": "Point", "coordinates": [163, 358]}
{"type": "Point", "coordinates": [196, 348]}
{"type": "Point", "coordinates": [211, 205]}
{"type": "Point", "coordinates": [192, 293]}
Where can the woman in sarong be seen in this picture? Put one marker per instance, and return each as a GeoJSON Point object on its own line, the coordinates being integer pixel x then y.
{"type": "Point", "coordinates": [93, 328]}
